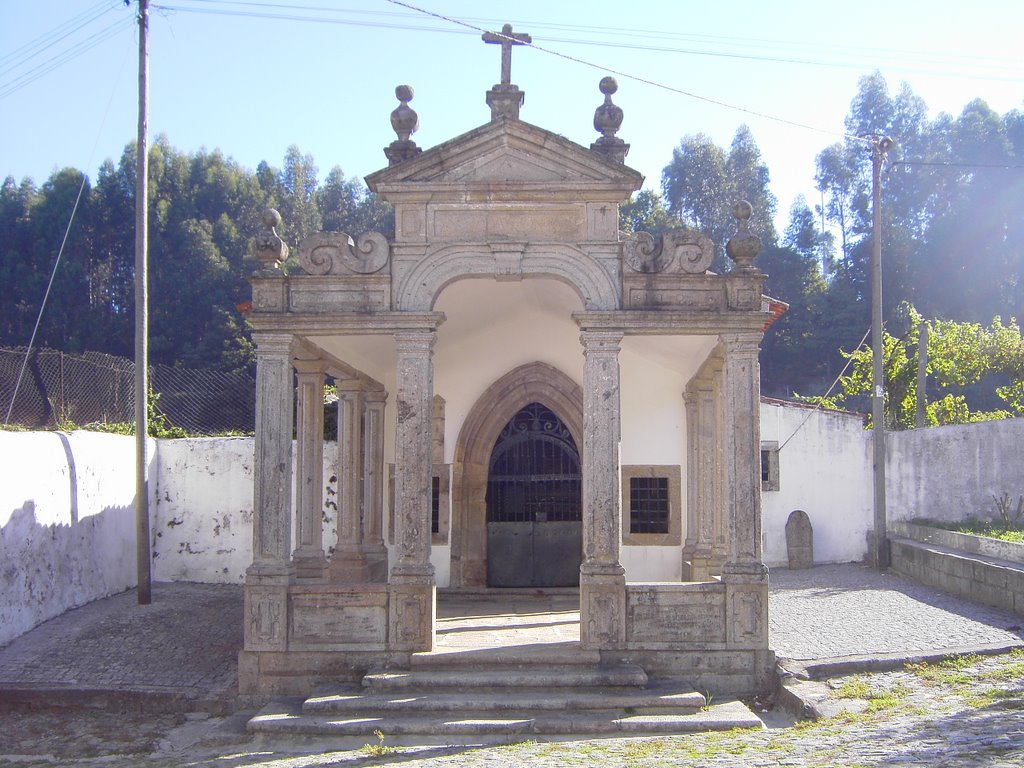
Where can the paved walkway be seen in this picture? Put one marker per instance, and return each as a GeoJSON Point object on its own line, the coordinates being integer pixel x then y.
{"type": "Point", "coordinates": [184, 646]}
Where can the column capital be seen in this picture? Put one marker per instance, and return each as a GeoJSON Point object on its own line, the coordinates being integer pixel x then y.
{"type": "Point", "coordinates": [418, 340]}
{"type": "Point", "coordinates": [740, 343]}
{"type": "Point", "coordinates": [309, 367]}
{"type": "Point", "coordinates": [375, 396]}
{"type": "Point", "coordinates": [272, 342]}
{"type": "Point", "coordinates": [601, 341]}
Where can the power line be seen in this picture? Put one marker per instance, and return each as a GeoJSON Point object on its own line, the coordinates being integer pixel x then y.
{"type": "Point", "coordinates": [973, 166]}
{"type": "Point", "coordinates": [26, 78]}
{"type": "Point", "coordinates": [646, 81]}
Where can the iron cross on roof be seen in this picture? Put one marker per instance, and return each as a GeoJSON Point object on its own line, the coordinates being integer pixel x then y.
{"type": "Point", "coordinates": [506, 39]}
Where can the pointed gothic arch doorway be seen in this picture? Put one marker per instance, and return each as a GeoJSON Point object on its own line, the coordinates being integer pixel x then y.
{"type": "Point", "coordinates": [534, 508]}
{"type": "Point", "coordinates": [498, 406]}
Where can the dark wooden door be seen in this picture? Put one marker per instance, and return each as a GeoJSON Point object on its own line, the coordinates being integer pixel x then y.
{"type": "Point", "coordinates": [534, 511]}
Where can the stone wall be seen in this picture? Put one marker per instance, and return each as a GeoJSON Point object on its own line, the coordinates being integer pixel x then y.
{"type": "Point", "coordinates": [67, 523]}
{"type": "Point", "coordinates": [949, 473]}
{"type": "Point", "coordinates": [67, 517]}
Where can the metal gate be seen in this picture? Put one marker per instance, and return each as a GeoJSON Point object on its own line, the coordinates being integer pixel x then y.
{"type": "Point", "coordinates": [534, 511]}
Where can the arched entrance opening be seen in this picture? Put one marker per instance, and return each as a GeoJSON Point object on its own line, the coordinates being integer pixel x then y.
{"type": "Point", "coordinates": [534, 507]}
{"type": "Point", "coordinates": [481, 432]}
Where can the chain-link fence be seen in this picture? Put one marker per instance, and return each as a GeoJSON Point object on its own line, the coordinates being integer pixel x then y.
{"type": "Point", "coordinates": [59, 389]}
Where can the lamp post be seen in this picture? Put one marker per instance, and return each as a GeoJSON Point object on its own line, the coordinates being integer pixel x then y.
{"type": "Point", "coordinates": [879, 149]}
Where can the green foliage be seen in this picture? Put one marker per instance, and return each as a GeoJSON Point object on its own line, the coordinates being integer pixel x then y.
{"type": "Point", "coordinates": [204, 211]}
{"type": "Point", "coordinates": [959, 355]}
{"type": "Point", "coordinates": [703, 181]}
{"type": "Point", "coordinates": [1004, 530]}
{"type": "Point", "coordinates": [645, 212]}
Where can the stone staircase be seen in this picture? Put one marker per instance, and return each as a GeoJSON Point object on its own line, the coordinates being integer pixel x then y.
{"type": "Point", "coordinates": [502, 694]}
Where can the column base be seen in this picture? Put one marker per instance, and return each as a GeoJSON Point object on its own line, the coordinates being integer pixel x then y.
{"type": "Point", "coordinates": [700, 565]}
{"type": "Point", "coordinates": [412, 604]}
{"type": "Point", "coordinates": [309, 564]}
{"type": "Point", "coordinates": [602, 606]}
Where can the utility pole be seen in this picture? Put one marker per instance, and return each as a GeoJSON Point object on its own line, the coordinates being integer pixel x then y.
{"type": "Point", "coordinates": [879, 148]}
{"type": "Point", "coordinates": [143, 560]}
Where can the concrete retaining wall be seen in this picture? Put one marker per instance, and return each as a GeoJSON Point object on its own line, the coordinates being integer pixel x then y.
{"type": "Point", "coordinates": [996, 583]}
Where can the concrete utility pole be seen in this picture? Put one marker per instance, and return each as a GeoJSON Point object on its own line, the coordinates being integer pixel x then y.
{"type": "Point", "coordinates": [878, 151]}
{"type": "Point", "coordinates": [143, 561]}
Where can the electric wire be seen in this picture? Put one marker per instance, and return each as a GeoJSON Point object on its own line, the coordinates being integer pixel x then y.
{"type": "Point", "coordinates": [19, 82]}
{"type": "Point", "coordinates": [51, 38]}
{"type": "Point", "coordinates": [646, 81]}
{"type": "Point", "coordinates": [819, 406]}
{"type": "Point", "coordinates": [64, 241]}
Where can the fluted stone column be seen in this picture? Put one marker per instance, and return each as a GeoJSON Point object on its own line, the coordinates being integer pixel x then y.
{"type": "Point", "coordinates": [412, 586]}
{"type": "Point", "coordinates": [375, 553]}
{"type": "Point", "coordinates": [308, 558]}
{"type": "Point", "coordinates": [744, 573]}
{"type": "Point", "coordinates": [347, 561]}
{"type": "Point", "coordinates": [602, 577]}
{"type": "Point", "coordinates": [267, 578]}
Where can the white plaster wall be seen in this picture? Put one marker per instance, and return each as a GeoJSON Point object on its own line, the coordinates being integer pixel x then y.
{"type": "Point", "coordinates": [203, 513]}
{"type": "Point", "coordinates": [952, 472]}
{"type": "Point", "coordinates": [825, 470]}
{"type": "Point", "coordinates": [67, 523]}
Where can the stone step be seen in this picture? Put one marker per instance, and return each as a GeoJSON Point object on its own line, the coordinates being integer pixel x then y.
{"type": "Point", "coordinates": [665, 698]}
{"type": "Point", "coordinates": [543, 654]}
{"type": "Point", "coordinates": [536, 676]}
{"type": "Point", "coordinates": [285, 719]}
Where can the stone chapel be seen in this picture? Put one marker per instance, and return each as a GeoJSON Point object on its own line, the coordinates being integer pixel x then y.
{"type": "Point", "coordinates": [527, 397]}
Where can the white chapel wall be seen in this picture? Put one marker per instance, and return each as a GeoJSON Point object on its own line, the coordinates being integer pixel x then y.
{"type": "Point", "coordinates": [825, 470]}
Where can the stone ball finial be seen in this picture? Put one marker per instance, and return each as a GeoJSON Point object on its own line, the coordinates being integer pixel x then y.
{"type": "Point", "coordinates": [608, 117]}
{"type": "Point", "coordinates": [607, 121]}
{"type": "Point", "coordinates": [269, 248]}
{"type": "Point", "coordinates": [744, 245]}
{"type": "Point", "coordinates": [405, 123]}
{"type": "Point", "coordinates": [404, 119]}
{"type": "Point", "coordinates": [271, 219]}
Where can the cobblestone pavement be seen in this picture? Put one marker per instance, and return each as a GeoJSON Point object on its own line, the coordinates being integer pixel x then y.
{"type": "Point", "coordinates": [187, 641]}
{"type": "Point", "coordinates": [845, 610]}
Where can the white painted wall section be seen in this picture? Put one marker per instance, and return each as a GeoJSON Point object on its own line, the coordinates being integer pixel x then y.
{"type": "Point", "coordinates": [825, 470]}
{"type": "Point", "coordinates": [67, 523]}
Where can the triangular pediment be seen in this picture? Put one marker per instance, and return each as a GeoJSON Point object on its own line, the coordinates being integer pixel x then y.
{"type": "Point", "coordinates": [507, 152]}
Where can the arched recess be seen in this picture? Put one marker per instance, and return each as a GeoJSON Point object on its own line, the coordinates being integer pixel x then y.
{"type": "Point", "coordinates": [534, 382]}
{"type": "Point", "coordinates": [419, 289]}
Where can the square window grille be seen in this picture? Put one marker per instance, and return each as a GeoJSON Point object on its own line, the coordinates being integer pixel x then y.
{"type": "Point", "coordinates": [648, 505]}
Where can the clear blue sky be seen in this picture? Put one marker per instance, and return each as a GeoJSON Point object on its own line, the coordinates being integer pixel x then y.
{"type": "Point", "coordinates": [251, 78]}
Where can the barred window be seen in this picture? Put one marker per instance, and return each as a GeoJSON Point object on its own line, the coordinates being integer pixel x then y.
{"type": "Point", "coordinates": [648, 505]}
{"type": "Point", "coordinates": [435, 504]}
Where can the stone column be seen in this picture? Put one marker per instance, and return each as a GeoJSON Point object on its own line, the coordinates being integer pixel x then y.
{"type": "Point", "coordinates": [308, 557]}
{"type": "Point", "coordinates": [266, 580]}
{"type": "Point", "coordinates": [744, 573]}
{"type": "Point", "coordinates": [412, 586]}
{"type": "Point", "coordinates": [375, 553]}
{"type": "Point", "coordinates": [698, 556]}
{"type": "Point", "coordinates": [347, 562]}
{"type": "Point", "coordinates": [602, 577]}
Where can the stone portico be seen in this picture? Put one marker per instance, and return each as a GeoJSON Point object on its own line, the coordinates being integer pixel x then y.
{"type": "Point", "coordinates": [506, 240]}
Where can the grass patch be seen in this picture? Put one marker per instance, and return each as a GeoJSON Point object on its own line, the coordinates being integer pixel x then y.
{"type": "Point", "coordinates": [972, 525]}
{"type": "Point", "coordinates": [952, 671]}
{"type": "Point", "coordinates": [380, 749]}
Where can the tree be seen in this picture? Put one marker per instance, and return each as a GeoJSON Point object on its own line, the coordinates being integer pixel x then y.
{"type": "Point", "coordinates": [645, 212]}
{"type": "Point", "coordinates": [702, 182]}
{"type": "Point", "coordinates": [960, 357]}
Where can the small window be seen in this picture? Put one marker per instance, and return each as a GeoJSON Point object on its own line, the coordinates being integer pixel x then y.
{"type": "Point", "coordinates": [769, 466]}
{"type": "Point", "coordinates": [435, 504]}
{"type": "Point", "coordinates": [648, 505]}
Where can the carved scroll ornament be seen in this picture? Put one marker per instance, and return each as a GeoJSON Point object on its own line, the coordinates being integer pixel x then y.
{"type": "Point", "coordinates": [334, 253]}
{"type": "Point", "coordinates": [674, 251]}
